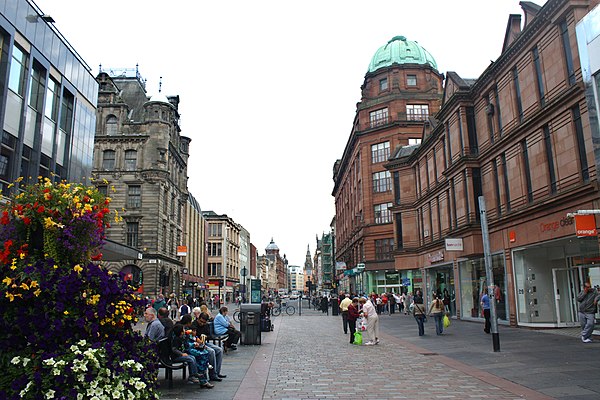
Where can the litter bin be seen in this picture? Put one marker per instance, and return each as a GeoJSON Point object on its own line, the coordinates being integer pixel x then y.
{"type": "Point", "coordinates": [250, 323]}
{"type": "Point", "coordinates": [335, 306]}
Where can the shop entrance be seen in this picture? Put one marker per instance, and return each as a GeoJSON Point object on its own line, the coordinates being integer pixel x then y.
{"type": "Point", "coordinates": [566, 282]}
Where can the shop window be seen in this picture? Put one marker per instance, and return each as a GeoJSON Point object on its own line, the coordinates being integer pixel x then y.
{"type": "Point", "coordinates": [473, 281]}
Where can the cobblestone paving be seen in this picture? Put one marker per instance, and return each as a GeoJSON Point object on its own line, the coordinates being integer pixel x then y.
{"type": "Point", "coordinates": [313, 360]}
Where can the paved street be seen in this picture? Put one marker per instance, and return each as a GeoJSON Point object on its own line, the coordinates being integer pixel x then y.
{"type": "Point", "coordinates": [308, 357]}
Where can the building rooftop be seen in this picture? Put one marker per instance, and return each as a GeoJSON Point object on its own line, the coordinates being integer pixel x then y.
{"type": "Point", "coordinates": [399, 50]}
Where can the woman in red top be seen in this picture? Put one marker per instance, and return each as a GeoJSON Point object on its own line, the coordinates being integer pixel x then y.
{"type": "Point", "coordinates": [352, 316]}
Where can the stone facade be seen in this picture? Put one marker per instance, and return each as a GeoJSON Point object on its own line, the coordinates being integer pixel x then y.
{"type": "Point", "coordinates": [140, 160]}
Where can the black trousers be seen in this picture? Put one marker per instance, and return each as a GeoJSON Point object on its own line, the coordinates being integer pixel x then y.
{"type": "Point", "coordinates": [234, 336]}
{"type": "Point", "coordinates": [345, 321]}
{"type": "Point", "coordinates": [488, 325]}
{"type": "Point", "coordinates": [352, 326]}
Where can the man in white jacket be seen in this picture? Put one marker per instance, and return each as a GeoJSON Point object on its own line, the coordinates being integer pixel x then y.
{"type": "Point", "coordinates": [370, 314]}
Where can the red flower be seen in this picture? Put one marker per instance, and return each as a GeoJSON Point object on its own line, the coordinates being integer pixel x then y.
{"type": "Point", "coordinates": [4, 220]}
{"type": "Point", "coordinates": [26, 220]}
{"type": "Point", "coordinates": [40, 209]}
{"type": "Point", "coordinates": [97, 257]}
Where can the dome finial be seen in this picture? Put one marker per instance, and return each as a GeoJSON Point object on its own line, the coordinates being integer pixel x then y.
{"type": "Point", "coordinates": [160, 85]}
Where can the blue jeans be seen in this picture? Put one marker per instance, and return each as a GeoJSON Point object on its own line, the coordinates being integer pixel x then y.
{"type": "Point", "coordinates": [419, 318]}
{"type": "Point", "coordinates": [587, 325]}
{"type": "Point", "coordinates": [439, 323]}
{"type": "Point", "coordinates": [216, 358]}
{"type": "Point", "coordinates": [190, 361]}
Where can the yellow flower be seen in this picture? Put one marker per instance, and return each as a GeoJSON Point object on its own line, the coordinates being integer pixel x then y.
{"type": "Point", "coordinates": [34, 284]}
{"type": "Point", "coordinates": [7, 281]}
{"type": "Point", "coordinates": [113, 189]}
{"type": "Point", "coordinates": [47, 196]}
{"type": "Point", "coordinates": [24, 286]}
{"type": "Point", "coordinates": [88, 208]}
{"type": "Point", "coordinates": [55, 266]}
{"type": "Point", "coordinates": [21, 255]}
{"type": "Point", "coordinates": [77, 268]}
{"type": "Point", "coordinates": [19, 179]}
{"type": "Point", "coordinates": [10, 296]}
{"type": "Point", "coordinates": [37, 292]}
{"type": "Point", "coordinates": [66, 312]}
{"type": "Point", "coordinates": [105, 181]}
{"type": "Point", "coordinates": [13, 265]}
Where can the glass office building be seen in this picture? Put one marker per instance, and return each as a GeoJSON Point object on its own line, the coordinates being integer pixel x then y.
{"type": "Point", "coordinates": [47, 99]}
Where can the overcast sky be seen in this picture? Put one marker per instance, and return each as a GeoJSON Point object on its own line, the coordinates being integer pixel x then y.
{"type": "Point", "coordinates": [269, 89]}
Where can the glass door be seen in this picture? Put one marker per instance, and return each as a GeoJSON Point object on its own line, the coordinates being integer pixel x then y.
{"type": "Point", "coordinates": [566, 282]}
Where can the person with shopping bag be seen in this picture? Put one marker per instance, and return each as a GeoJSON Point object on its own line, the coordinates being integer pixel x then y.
{"type": "Point", "coordinates": [352, 317]}
{"type": "Point", "coordinates": [372, 320]}
{"type": "Point", "coordinates": [436, 310]}
{"type": "Point", "coordinates": [419, 312]}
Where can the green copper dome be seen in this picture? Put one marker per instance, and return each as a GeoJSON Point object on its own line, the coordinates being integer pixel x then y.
{"type": "Point", "coordinates": [400, 51]}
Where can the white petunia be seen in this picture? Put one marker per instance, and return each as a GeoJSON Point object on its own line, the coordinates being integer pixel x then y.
{"type": "Point", "coordinates": [16, 360]}
{"type": "Point", "coordinates": [50, 394]}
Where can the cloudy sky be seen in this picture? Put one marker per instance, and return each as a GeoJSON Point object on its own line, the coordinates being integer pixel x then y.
{"type": "Point", "coordinates": [269, 89]}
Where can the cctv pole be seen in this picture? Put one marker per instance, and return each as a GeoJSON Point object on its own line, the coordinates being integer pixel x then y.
{"type": "Point", "coordinates": [485, 236]}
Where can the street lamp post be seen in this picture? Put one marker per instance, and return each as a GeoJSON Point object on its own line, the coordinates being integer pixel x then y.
{"type": "Point", "coordinates": [224, 266]}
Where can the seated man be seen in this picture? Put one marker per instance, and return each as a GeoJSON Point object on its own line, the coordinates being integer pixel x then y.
{"type": "Point", "coordinates": [154, 330]}
{"type": "Point", "coordinates": [180, 354]}
{"type": "Point", "coordinates": [165, 320]}
{"type": "Point", "coordinates": [200, 325]}
{"type": "Point", "coordinates": [224, 326]}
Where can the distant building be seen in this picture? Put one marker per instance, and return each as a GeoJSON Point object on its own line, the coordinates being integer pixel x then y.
{"type": "Point", "coordinates": [402, 89]}
{"type": "Point", "coordinates": [194, 271]}
{"type": "Point", "coordinates": [296, 274]}
{"type": "Point", "coordinates": [140, 161]}
{"type": "Point", "coordinates": [272, 253]}
{"type": "Point", "coordinates": [47, 100]}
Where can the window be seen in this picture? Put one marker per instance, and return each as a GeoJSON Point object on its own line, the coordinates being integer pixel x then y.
{"type": "Point", "coordinates": [103, 190]}
{"type": "Point", "coordinates": [498, 112]}
{"type": "Point", "coordinates": [52, 100]}
{"type": "Point", "coordinates": [538, 75]}
{"type": "Point", "coordinates": [111, 125]}
{"type": "Point", "coordinates": [417, 112]}
{"type": "Point", "coordinates": [527, 171]}
{"type": "Point", "coordinates": [165, 200]}
{"type": "Point", "coordinates": [471, 131]}
{"type": "Point", "coordinates": [583, 165]}
{"type": "Point", "coordinates": [37, 85]}
{"type": "Point", "coordinates": [383, 84]}
{"type": "Point", "coordinates": [397, 187]}
{"type": "Point", "coordinates": [108, 160]}
{"type": "Point", "coordinates": [399, 231]}
{"type": "Point", "coordinates": [564, 33]}
{"type": "Point", "coordinates": [411, 80]}
{"type": "Point", "coordinates": [380, 152]}
{"type": "Point", "coordinates": [215, 249]}
{"type": "Point", "coordinates": [378, 117]}
{"type": "Point", "coordinates": [489, 113]}
{"type": "Point", "coordinates": [414, 141]}
{"type": "Point", "coordinates": [383, 214]}
{"type": "Point", "coordinates": [16, 80]}
{"type": "Point", "coordinates": [477, 189]}
{"type": "Point", "coordinates": [384, 249]}
{"type": "Point", "coordinates": [382, 182]}
{"type": "Point", "coordinates": [550, 159]}
{"type": "Point", "coordinates": [215, 230]}
{"type": "Point", "coordinates": [518, 92]}
{"type": "Point", "coordinates": [214, 269]}
{"type": "Point", "coordinates": [134, 196]}
{"type": "Point", "coordinates": [130, 160]}
{"type": "Point", "coordinates": [449, 142]}
{"type": "Point", "coordinates": [506, 185]}
{"type": "Point", "coordinates": [497, 187]}
{"type": "Point", "coordinates": [132, 234]}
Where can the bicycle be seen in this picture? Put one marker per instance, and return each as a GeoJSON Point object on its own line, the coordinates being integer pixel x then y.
{"type": "Point", "coordinates": [289, 310]}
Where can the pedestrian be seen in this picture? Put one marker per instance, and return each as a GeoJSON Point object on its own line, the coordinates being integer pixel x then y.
{"type": "Point", "coordinates": [419, 311]}
{"type": "Point", "coordinates": [392, 302]}
{"type": "Point", "coordinates": [155, 329]}
{"type": "Point", "coordinates": [344, 304]}
{"type": "Point", "coordinates": [436, 310]}
{"type": "Point", "coordinates": [446, 300]}
{"type": "Point", "coordinates": [173, 306]}
{"type": "Point", "coordinates": [370, 315]}
{"type": "Point", "coordinates": [485, 303]}
{"type": "Point", "coordinates": [159, 302]}
{"type": "Point", "coordinates": [325, 304]}
{"type": "Point", "coordinates": [353, 315]}
{"type": "Point", "coordinates": [588, 303]}
{"type": "Point", "coordinates": [408, 300]}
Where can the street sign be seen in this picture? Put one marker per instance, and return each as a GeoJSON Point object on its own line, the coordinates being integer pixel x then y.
{"type": "Point", "coordinates": [244, 271]}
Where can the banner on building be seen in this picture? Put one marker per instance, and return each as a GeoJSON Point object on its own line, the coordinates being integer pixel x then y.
{"type": "Point", "coordinates": [340, 265]}
{"type": "Point", "coordinates": [182, 251]}
{"type": "Point", "coordinates": [585, 225]}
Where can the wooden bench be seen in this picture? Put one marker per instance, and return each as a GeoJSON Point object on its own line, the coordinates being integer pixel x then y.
{"type": "Point", "coordinates": [164, 356]}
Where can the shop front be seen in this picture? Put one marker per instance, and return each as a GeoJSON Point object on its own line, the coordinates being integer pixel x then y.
{"type": "Point", "coordinates": [550, 275]}
{"type": "Point", "coordinates": [473, 279]}
{"type": "Point", "coordinates": [440, 280]}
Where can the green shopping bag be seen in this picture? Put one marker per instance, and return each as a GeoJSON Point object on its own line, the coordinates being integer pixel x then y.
{"type": "Point", "coordinates": [357, 338]}
{"type": "Point", "coordinates": [446, 321]}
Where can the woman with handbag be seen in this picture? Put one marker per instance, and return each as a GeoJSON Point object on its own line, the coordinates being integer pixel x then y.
{"type": "Point", "coordinates": [436, 310]}
{"type": "Point", "coordinates": [352, 317]}
{"type": "Point", "coordinates": [419, 312]}
{"type": "Point", "coordinates": [370, 315]}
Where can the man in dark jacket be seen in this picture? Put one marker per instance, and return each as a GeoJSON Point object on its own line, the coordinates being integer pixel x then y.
{"type": "Point", "coordinates": [163, 317]}
{"type": "Point", "coordinates": [588, 302]}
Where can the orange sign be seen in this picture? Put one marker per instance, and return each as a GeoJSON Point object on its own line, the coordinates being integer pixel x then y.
{"type": "Point", "coordinates": [512, 236]}
{"type": "Point", "coordinates": [585, 225]}
{"type": "Point", "coordinates": [182, 250]}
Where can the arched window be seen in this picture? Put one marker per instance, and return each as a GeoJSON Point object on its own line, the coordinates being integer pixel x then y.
{"type": "Point", "coordinates": [130, 160]}
{"type": "Point", "coordinates": [111, 125]}
{"type": "Point", "coordinates": [108, 160]}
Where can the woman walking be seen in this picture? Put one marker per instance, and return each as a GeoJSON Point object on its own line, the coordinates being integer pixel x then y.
{"type": "Point", "coordinates": [419, 312]}
{"type": "Point", "coordinates": [352, 317]}
{"type": "Point", "coordinates": [436, 310]}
